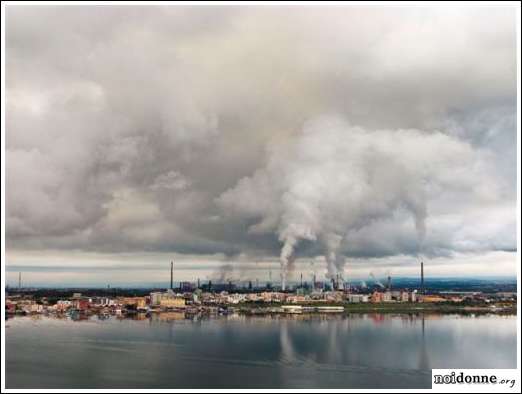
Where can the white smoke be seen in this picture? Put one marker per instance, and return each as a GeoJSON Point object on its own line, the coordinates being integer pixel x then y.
{"type": "Point", "coordinates": [335, 262]}
{"type": "Point", "coordinates": [376, 281]}
{"type": "Point", "coordinates": [334, 178]}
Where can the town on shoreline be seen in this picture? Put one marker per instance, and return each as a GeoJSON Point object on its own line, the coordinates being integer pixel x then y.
{"type": "Point", "coordinates": [251, 301]}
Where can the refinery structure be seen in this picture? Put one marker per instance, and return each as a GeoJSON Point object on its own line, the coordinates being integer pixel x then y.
{"type": "Point", "coordinates": [336, 283]}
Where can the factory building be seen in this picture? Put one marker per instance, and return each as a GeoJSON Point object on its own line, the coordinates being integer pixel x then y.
{"type": "Point", "coordinates": [357, 298]}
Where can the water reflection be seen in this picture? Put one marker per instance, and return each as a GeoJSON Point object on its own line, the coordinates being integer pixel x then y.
{"type": "Point", "coordinates": [178, 350]}
{"type": "Point", "coordinates": [287, 350]}
{"type": "Point", "coordinates": [424, 362]}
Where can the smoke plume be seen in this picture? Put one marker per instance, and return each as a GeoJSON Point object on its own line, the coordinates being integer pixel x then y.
{"type": "Point", "coordinates": [333, 179]}
{"type": "Point", "coordinates": [223, 274]}
{"type": "Point", "coordinates": [376, 281]}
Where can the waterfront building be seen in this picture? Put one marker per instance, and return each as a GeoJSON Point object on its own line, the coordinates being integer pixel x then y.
{"type": "Point", "coordinates": [396, 295]}
{"type": "Point", "coordinates": [81, 304]}
{"type": "Point", "coordinates": [295, 299]}
{"type": "Point", "coordinates": [172, 302]}
{"type": "Point", "coordinates": [155, 298]}
{"type": "Point", "coordinates": [387, 297]}
{"type": "Point", "coordinates": [357, 298]}
{"type": "Point", "coordinates": [404, 296]}
{"type": "Point", "coordinates": [63, 305]}
{"type": "Point", "coordinates": [376, 297]}
{"type": "Point", "coordinates": [167, 299]}
{"type": "Point", "coordinates": [137, 302]}
{"type": "Point", "coordinates": [413, 296]}
{"type": "Point", "coordinates": [10, 307]}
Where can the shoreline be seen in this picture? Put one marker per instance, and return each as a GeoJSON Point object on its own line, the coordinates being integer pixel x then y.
{"type": "Point", "coordinates": [387, 308]}
{"type": "Point", "coordinates": [293, 310]}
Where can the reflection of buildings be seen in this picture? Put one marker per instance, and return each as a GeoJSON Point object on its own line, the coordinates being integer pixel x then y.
{"type": "Point", "coordinates": [167, 316]}
{"type": "Point", "coordinates": [378, 318]}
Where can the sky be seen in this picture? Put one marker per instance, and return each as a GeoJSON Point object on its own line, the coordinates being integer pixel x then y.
{"type": "Point", "coordinates": [248, 142]}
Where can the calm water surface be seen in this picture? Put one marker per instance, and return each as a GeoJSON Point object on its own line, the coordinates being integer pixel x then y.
{"type": "Point", "coordinates": [168, 351]}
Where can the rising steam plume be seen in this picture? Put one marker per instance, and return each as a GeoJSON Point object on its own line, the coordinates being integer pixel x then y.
{"type": "Point", "coordinates": [376, 281]}
{"type": "Point", "coordinates": [334, 179]}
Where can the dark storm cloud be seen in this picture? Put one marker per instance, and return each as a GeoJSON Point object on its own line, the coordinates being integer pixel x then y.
{"type": "Point", "coordinates": [161, 128]}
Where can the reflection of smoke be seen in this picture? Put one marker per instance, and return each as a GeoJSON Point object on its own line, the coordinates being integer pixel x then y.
{"type": "Point", "coordinates": [287, 349]}
{"type": "Point", "coordinates": [334, 350]}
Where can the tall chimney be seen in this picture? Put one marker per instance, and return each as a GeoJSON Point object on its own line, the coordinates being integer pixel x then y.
{"type": "Point", "coordinates": [389, 282]}
{"type": "Point", "coordinates": [422, 277]}
{"type": "Point", "coordinates": [171, 275]}
{"type": "Point", "coordinates": [19, 280]}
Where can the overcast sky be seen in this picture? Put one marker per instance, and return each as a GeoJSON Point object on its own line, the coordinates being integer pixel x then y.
{"type": "Point", "coordinates": [362, 139]}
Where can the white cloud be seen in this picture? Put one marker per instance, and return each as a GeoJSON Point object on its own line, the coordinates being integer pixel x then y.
{"type": "Point", "coordinates": [187, 106]}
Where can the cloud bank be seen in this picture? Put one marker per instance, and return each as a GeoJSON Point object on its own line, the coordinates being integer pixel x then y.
{"type": "Point", "coordinates": [274, 132]}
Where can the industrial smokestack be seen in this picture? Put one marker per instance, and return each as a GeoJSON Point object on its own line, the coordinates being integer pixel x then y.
{"type": "Point", "coordinates": [19, 280]}
{"type": "Point", "coordinates": [171, 275]}
{"type": "Point", "coordinates": [389, 283]}
{"type": "Point", "coordinates": [301, 279]}
{"type": "Point", "coordinates": [422, 278]}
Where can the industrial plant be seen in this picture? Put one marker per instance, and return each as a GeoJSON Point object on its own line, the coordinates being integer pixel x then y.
{"type": "Point", "coordinates": [329, 296]}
